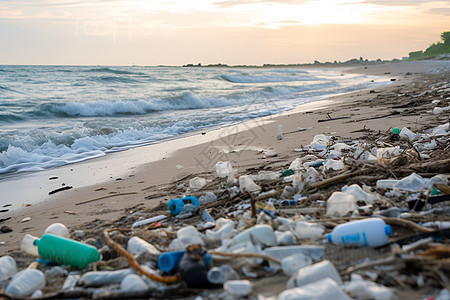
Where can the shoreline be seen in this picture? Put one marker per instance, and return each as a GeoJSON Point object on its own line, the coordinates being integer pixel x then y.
{"type": "Point", "coordinates": [138, 185]}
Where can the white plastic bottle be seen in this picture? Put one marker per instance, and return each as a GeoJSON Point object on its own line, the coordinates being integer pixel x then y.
{"type": "Point", "coordinates": [371, 232]}
{"type": "Point", "coordinates": [27, 246]}
{"type": "Point", "coordinates": [8, 267]}
{"type": "Point", "coordinates": [25, 282]}
{"type": "Point", "coordinates": [238, 288]}
{"type": "Point", "coordinates": [219, 275]}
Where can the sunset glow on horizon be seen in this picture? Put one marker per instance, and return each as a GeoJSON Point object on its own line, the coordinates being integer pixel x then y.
{"type": "Point", "coordinates": [118, 32]}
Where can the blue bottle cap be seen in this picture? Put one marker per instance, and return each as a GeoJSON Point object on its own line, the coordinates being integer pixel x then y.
{"type": "Point", "coordinates": [388, 229]}
{"type": "Point", "coordinates": [329, 238]}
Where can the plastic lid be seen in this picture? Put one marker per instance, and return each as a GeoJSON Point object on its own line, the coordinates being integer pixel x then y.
{"type": "Point", "coordinates": [330, 239]}
{"type": "Point", "coordinates": [388, 229]}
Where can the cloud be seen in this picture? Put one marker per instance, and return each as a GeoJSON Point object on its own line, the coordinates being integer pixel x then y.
{"type": "Point", "coordinates": [397, 3]}
{"type": "Point", "coordinates": [445, 11]}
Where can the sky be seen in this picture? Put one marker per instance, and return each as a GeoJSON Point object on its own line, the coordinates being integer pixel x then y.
{"type": "Point", "coordinates": [234, 32]}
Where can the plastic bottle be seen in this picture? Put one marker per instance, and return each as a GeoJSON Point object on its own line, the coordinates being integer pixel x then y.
{"type": "Point", "coordinates": [27, 246]}
{"type": "Point", "coordinates": [149, 220]}
{"type": "Point", "coordinates": [133, 283]}
{"type": "Point", "coordinates": [100, 278]}
{"type": "Point", "coordinates": [311, 273]}
{"type": "Point", "coordinates": [238, 288]}
{"type": "Point", "coordinates": [138, 246]}
{"type": "Point", "coordinates": [259, 234]}
{"type": "Point", "coordinates": [66, 251]}
{"type": "Point", "coordinates": [218, 275]}
{"type": "Point", "coordinates": [176, 205]}
{"type": "Point", "coordinates": [371, 232]}
{"type": "Point", "coordinates": [324, 289]}
{"type": "Point", "coordinates": [8, 267]}
{"type": "Point", "coordinates": [169, 261]}
{"type": "Point", "coordinates": [25, 282]}
{"type": "Point", "coordinates": [58, 229]}
{"type": "Point", "coordinates": [70, 281]}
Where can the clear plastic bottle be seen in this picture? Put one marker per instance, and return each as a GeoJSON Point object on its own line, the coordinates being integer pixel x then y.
{"type": "Point", "coordinates": [25, 282]}
{"type": "Point", "coordinates": [372, 232]}
{"type": "Point", "coordinates": [218, 275]}
{"type": "Point", "coordinates": [27, 246]}
{"type": "Point", "coordinates": [149, 220]}
{"type": "Point", "coordinates": [100, 278]}
{"type": "Point", "coordinates": [8, 267]}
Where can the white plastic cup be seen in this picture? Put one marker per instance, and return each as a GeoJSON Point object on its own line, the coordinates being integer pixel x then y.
{"type": "Point", "coordinates": [8, 267]}
{"type": "Point", "coordinates": [371, 232]}
{"type": "Point", "coordinates": [25, 283]}
{"type": "Point", "coordinates": [309, 274]}
{"type": "Point", "coordinates": [58, 229]}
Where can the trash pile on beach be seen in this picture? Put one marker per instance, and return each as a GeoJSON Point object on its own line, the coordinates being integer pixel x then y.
{"type": "Point", "coordinates": [346, 219]}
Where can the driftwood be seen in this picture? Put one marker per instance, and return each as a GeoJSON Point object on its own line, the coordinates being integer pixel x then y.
{"type": "Point", "coordinates": [67, 187]}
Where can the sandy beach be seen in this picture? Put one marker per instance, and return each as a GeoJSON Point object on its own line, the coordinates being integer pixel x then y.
{"type": "Point", "coordinates": [137, 180]}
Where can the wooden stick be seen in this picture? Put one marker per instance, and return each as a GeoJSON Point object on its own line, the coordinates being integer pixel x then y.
{"type": "Point", "coordinates": [134, 264]}
{"type": "Point", "coordinates": [104, 197]}
{"type": "Point", "coordinates": [338, 178]}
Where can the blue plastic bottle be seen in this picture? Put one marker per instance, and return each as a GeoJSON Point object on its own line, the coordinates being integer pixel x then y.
{"type": "Point", "coordinates": [176, 205]}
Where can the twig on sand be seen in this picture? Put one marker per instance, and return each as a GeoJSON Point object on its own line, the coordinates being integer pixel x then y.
{"type": "Point", "coordinates": [104, 197]}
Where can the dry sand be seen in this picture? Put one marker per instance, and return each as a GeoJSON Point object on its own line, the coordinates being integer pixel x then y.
{"type": "Point", "coordinates": [133, 180]}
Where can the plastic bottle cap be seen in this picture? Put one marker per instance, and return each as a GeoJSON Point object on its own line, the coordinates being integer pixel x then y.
{"type": "Point", "coordinates": [396, 130]}
{"type": "Point", "coordinates": [388, 229]}
{"type": "Point", "coordinates": [330, 239]}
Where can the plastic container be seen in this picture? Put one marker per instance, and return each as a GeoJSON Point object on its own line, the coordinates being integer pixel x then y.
{"type": "Point", "coordinates": [25, 283]}
{"type": "Point", "coordinates": [224, 169]}
{"type": "Point", "coordinates": [309, 274]}
{"type": "Point", "coordinates": [27, 246]}
{"type": "Point", "coordinates": [176, 205]}
{"type": "Point", "coordinates": [386, 183]}
{"type": "Point", "coordinates": [218, 275]}
{"type": "Point", "coordinates": [312, 251]}
{"type": "Point", "coordinates": [188, 236]}
{"type": "Point", "coordinates": [197, 183]}
{"type": "Point", "coordinates": [133, 283]}
{"type": "Point", "coordinates": [70, 281]}
{"type": "Point", "coordinates": [138, 246]}
{"type": "Point", "coordinates": [340, 204]}
{"type": "Point", "coordinates": [371, 232]}
{"type": "Point", "coordinates": [8, 267]}
{"type": "Point", "coordinates": [169, 261]}
{"type": "Point", "coordinates": [324, 289]}
{"type": "Point", "coordinates": [238, 288]}
{"type": "Point", "coordinates": [100, 278]}
{"type": "Point", "coordinates": [290, 264]}
{"type": "Point", "coordinates": [258, 234]}
{"type": "Point", "coordinates": [58, 229]}
{"type": "Point", "coordinates": [224, 231]}
{"type": "Point", "coordinates": [66, 251]}
{"type": "Point", "coordinates": [148, 221]}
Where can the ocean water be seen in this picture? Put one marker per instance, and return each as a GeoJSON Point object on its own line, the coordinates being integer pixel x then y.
{"type": "Point", "coordinates": [56, 115]}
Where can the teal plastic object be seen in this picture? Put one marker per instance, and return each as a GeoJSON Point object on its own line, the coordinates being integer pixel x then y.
{"type": "Point", "coordinates": [176, 205]}
{"type": "Point", "coordinates": [66, 251]}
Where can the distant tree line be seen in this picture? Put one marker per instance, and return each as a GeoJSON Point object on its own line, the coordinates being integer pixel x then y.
{"type": "Point", "coordinates": [434, 49]}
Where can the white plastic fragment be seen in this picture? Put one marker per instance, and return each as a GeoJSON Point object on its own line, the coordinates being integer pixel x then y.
{"type": "Point", "coordinates": [438, 110]}
{"type": "Point", "coordinates": [259, 234]}
{"type": "Point", "coordinates": [359, 194]}
{"type": "Point", "coordinates": [412, 183]}
{"type": "Point", "coordinates": [312, 273]}
{"type": "Point", "coordinates": [133, 283]}
{"type": "Point", "coordinates": [238, 288]}
{"type": "Point", "coordinates": [405, 133]}
{"type": "Point", "coordinates": [332, 164]}
{"type": "Point", "coordinates": [359, 288]}
{"type": "Point", "coordinates": [197, 183]}
{"type": "Point", "coordinates": [307, 230]}
{"type": "Point", "coordinates": [324, 289]}
{"type": "Point", "coordinates": [58, 229]}
{"type": "Point", "coordinates": [246, 184]}
{"type": "Point", "coordinates": [340, 204]}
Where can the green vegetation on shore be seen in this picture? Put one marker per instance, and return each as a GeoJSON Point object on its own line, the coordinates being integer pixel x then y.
{"type": "Point", "coordinates": [435, 49]}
